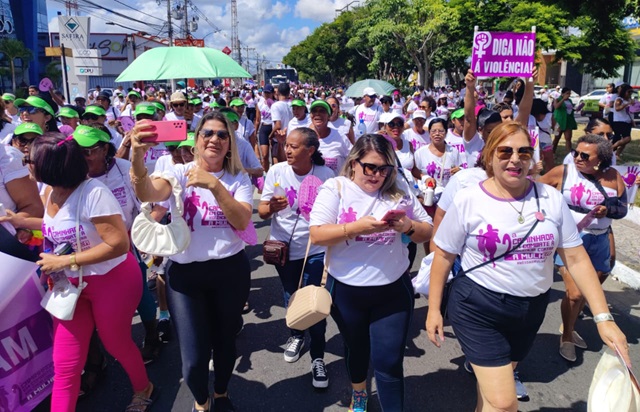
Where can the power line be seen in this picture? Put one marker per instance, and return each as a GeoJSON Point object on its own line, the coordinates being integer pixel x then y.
{"type": "Point", "coordinates": [140, 11]}
{"type": "Point", "coordinates": [117, 13]}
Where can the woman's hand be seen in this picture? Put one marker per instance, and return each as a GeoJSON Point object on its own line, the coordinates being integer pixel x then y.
{"type": "Point", "coordinates": [367, 225]}
{"type": "Point", "coordinates": [198, 177]}
{"type": "Point", "coordinates": [50, 263]}
{"type": "Point", "coordinates": [277, 203]}
{"type": "Point", "coordinates": [16, 220]}
{"type": "Point", "coordinates": [401, 225]}
{"type": "Point", "coordinates": [454, 170]}
{"type": "Point", "coordinates": [142, 130]}
{"type": "Point", "coordinates": [426, 180]}
{"type": "Point", "coordinates": [435, 326]}
{"type": "Point", "coordinates": [470, 80]}
{"type": "Point", "coordinates": [601, 211]}
{"type": "Point", "coordinates": [613, 337]}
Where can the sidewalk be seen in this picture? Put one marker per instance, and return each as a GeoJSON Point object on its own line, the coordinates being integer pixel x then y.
{"type": "Point", "coordinates": [627, 235]}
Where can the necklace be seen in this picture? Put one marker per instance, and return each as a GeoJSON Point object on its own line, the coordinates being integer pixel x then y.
{"type": "Point", "coordinates": [520, 217]}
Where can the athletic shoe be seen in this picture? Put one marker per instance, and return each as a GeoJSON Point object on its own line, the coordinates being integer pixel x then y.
{"type": "Point", "coordinates": [211, 367]}
{"type": "Point", "coordinates": [358, 401]}
{"type": "Point", "coordinates": [293, 348]}
{"type": "Point", "coordinates": [164, 330]}
{"type": "Point", "coordinates": [521, 391]}
{"type": "Point", "coordinates": [468, 367]}
{"type": "Point", "coordinates": [223, 404]}
{"type": "Point", "coordinates": [150, 351]}
{"type": "Point", "coordinates": [319, 374]}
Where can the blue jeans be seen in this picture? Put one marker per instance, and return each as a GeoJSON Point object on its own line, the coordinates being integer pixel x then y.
{"type": "Point", "coordinates": [147, 306]}
{"type": "Point", "coordinates": [290, 277]}
{"type": "Point", "coordinates": [373, 322]}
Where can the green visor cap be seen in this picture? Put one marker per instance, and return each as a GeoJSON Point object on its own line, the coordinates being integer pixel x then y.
{"type": "Point", "coordinates": [134, 93]}
{"type": "Point", "coordinates": [237, 102]}
{"type": "Point", "coordinates": [87, 136]}
{"type": "Point", "coordinates": [159, 106]}
{"type": "Point", "coordinates": [27, 128]}
{"type": "Point", "coordinates": [93, 109]}
{"type": "Point", "coordinates": [9, 97]}
{"type": "Point", "coordinates": [35, 102]}
{"type": "Point", "coordinates": [457, 114]}
{"type": "Point", "coordinates": [67, 112]}
{"type": "Point", "coordinates": [298, 103]}
{"type": "Point", "coordinates": [170, 144]}
{"type": "Point", "coordinates": [189, 142]}
{"type": "Point", "coordinates": [195, 102]}
{"type": "Point", "coordinates": [214, 104]}
{"type": "Point", "coordinates": [149, 109]}
{"type": "Point", "coordinates": [231, 116]}
{"type": "Point", "coordinates": [321, 103]}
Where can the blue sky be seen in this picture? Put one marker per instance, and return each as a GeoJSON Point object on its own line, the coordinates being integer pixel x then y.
{"type": "Point", "coordinates": [269, 26]}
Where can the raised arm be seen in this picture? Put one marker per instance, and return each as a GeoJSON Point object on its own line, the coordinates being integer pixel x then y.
{"type": "Point", "coordinates": [470, 121]}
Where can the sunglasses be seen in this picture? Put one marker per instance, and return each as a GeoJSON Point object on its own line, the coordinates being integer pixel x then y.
{"type": "Point", "coordinates": [424, 107]}
{"type": "Point", "coordinates": [583, 156]}
{"type": "Point", "coordinates": [607, 135]}
{"type": "Point", "coordinates": [506, 152]}
{"type": "Point", "coordinates": [30, 109]}
{"type": "Point", "coordinates": [7, 101]}
{"type": "Point", "coordinates": [436, 131]}
{"type": "Point", "coordinates": [90, 116]}
{"type": "Point", "coordinates": [89, 151]}
{"type": "Point", "coordinates": [177, 104]}
{"type": "Point", "coordinates": [208, 134]}
{"type": "Point", "coordinates": [373, 96]}
{"type": "Point", "coordinates": [369, 169]}
{"type": "Point", "coordinates": [26, 160]}
{"type": "Point", "coordinates": [22, 141]}
{"type": "Point", "coordinates": [394, 124]}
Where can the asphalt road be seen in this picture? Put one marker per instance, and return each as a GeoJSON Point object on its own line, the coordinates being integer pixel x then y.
{"type": "Point", "coordinates": [435, 379]}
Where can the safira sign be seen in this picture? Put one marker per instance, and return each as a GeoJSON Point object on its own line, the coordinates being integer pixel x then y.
{"type": "Point", "coordinates": [503, 54]}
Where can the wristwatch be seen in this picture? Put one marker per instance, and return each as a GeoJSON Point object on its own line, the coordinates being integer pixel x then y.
{"type": "Point", "coordinates": [74, 265]}
{"type": "Point", "coordinates": [603, 317]}
{"type": "Point", "coordinates": [411, 230]}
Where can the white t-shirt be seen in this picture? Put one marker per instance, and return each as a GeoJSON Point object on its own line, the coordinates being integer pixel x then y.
{"type": "Point", "coordinates": [281, 111]}
{"type": "Point", "coordinates": [396, 107]}
{"type": "Point", "coordinates": [164, 163]}
{"type": "Point", "coordinates": [118, 181]}
{"type": "Point", "coordinates": [416, 140]}
{"type": "Point", "coordinates": [480, 233]}
{"type": "Point", "coordinates": [621, 115]}
{"type": "Point", "coordinates": [265, 112]}
{"type": "Point", "coordinates": [281, 227]}
{"type": "Point", "coordinates": [607, 100]}
{"type": "Point", "coordinates": [371, 116]}
{"type": "Point", "coordinates": [248, 157]}
{"type": "Point", "coordinates": [455, 141]}
{"type": "Point", "coordinates": [211, 233]}
{"type": "Point", "coordinates": [544, 128]}
{"type": "Point", "coordinates": [334, 149]}
{"type": "Point", "coordinates": [472, 150]}
{"type": "Point", "coordinates": [6, 134]}
{"type": "Point", "coordinates": [436, 167]}
{"type": "Point", "coordinates": [405, 155]}
{"type": "Point", "coordinates": [368, 260]}
{"type": "Point", "coordinates": [112, 113]}
{"type": "Point", "coordinates": [464, 178]}
{"type": "Point", "coordinates": [97, 201]}
{"type": "Point", "coordinates": [174, 116]}
{"type": "Point", "coordinates": [412, 106]}
{"type": "Point", "coordinates": [342, 125]}
{"type": "Point", "coordinates": [153, 154]}
{"type": "Point", "coordinates": [294, 123]}
{"type": "Point", "coordinates": [11, 168]}
{"type": "Point", "coordinates": [245, 128]}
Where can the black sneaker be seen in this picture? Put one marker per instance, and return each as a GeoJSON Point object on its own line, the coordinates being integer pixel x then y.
{"type": "Point", "coordinates": [319, 374]}
{"type": "Point", "coordinates": [151, 349]}
{"type": "Point", "coordinates": [223, 404]}
{"type": "Point", "coordinates": [164, 330]}
{"type": "Point", "coordinates": [293, 348]}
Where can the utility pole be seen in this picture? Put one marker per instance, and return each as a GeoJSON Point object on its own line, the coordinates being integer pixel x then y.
{"type": "Point", "coordinates": [173, 81]}
{"type": "Point", "coordinates": [235, 41]}
{"type": "Point", "coordinates": [247, 49]}
{"type": "Point", "coordinates": [186, 19]}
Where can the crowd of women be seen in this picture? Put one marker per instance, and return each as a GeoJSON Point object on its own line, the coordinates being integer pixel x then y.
{"type": "Point", "coordinates": [460, 180]}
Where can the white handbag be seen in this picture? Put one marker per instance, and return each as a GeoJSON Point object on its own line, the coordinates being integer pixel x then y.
{"type": "Point", "coordinates": [62, 304]}
{"type": "Point", "coordinates": [157, 239]}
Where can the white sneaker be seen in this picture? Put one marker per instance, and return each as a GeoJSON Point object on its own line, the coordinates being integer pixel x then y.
{"type": "Point", "coordinates": [319, 374]}
{"type": "Point", "coordinates": [292, 349]}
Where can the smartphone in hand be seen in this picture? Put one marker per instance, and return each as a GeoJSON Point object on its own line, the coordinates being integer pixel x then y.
{"type": "Point", "coordinates": [168, 131]}
{"type": "Point", "coordinates": [393, 215]}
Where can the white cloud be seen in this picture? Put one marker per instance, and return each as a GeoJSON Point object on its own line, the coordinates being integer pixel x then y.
{"type": "Point", "coordinates": [322, 10]}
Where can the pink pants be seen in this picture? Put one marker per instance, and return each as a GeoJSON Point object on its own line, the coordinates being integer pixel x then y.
{"type": "Point", "coordinates": [107, 303]}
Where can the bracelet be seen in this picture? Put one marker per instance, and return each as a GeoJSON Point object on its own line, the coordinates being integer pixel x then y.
{"type": "Point", "coordinates": [411, 230]}
{"type": "Point", "coordinates": [344, 229]}
{"type": "Point", "coordinates": [603, 317]}
{"type": "Point", "coordinates": [137, 179]}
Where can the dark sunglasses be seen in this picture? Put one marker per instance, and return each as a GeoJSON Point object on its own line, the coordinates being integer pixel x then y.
{"type": "Point", "coordinates": [7, 101]}
{"type": "Point", "coordinates": [90, 116]}
{"type": "Point", "coordinates": [26, 160]}
{"type": "Point", "coordinates": [607, 135]}
{"type": "Point", "coordinates": [505, 152]}
{"type": "Point", "coordinates": [177, 104]}
{"type": "Point", "coordinates": [89, 150]}
{"type": "Point", "coordinates": [30, 109]}
{"type": "Point", "coordinates": [370, 169]}
{"type": "Point", "coordinates": [394, 124]}
{"type": "Point", "coordinates": [583, 156]}
{"type": "Point", "coordinates": [424, 107]}
{"type": "Point", "coordinates": [208, 134]}
{"type": "Point", "coordinates": [23, 141]}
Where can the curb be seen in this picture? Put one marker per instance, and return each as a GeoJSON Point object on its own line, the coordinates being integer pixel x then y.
{"type": "Point", "coordinates": [622, 272]}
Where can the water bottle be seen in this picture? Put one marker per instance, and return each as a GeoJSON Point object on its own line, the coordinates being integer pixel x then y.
{"type": "Point", "coordinates": [278, 191]}
{"type": "Point", "coordinates": [361, 130]}
{"type": "Point", "coordinates": [428, 194]}
{"type": "Point", "coordinates": [59, 278]}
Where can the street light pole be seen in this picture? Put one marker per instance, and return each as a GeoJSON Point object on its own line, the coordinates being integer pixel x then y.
{"type": "Point", "coordinates": [173, 81]}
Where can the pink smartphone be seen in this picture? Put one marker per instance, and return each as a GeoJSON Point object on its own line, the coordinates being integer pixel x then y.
{"type": "Point", "coordinates": [168, 131]}
{"type": "Point", "coordinates": [393, 215]}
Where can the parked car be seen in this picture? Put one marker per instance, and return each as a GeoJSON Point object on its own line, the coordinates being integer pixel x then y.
{"type": "Point", "coordinates": [592, 103]}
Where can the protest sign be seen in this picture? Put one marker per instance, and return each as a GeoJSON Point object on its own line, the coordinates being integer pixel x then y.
{"type": "Point", "coordinates": [629, 174]}
{"type": "Point", "coordinates": [503, 54]}
{"type": "Point", "coordinates": [535, 143]}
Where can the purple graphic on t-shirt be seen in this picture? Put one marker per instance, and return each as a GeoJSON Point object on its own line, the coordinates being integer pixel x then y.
{"type": "Point", "coordinates": [212, 215]}
{"type": "Point", "coordinates": [488, 242]}
{"type": "Point", "coordinates": [432, 169]}
{"type": "Point", "coordinates": [348, 216]}
{"type": "Point", "coordinates": [191, 205]}
{"type": "Point", "coordinates": [291, 195]}
{"type": "Point", "coordinates": [576, 193]}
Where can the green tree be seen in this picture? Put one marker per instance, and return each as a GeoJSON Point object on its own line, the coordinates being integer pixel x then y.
{"type": "Point", "coordinates": [53, 71]}
{"type": "Point", "coordinates": [13, 49]}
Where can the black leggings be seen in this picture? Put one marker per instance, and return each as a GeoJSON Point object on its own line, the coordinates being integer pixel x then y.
{"type": "Point", "coordinates": [206, 301]}
{"type": "Point", "coordinates": [373, 322]}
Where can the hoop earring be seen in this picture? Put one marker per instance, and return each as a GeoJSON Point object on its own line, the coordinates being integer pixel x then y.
{"type": "Point", "coordinates": [228, 155]}
{"type": "Point", "coordinates": [193, 150]}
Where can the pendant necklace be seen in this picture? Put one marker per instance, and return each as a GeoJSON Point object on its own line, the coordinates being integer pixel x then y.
{"type": "Point", "coordinates": [520, 217]}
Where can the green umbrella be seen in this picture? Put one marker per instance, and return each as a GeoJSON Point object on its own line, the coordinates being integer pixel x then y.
{"type": "Point", "coordinates": [381, 87]}
{"type": "Point", "coordinates": [162, 63]}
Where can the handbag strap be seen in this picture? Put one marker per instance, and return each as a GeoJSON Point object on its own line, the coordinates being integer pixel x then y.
{"type": "Point", "coordinates": [78, 244]}
{"type": "Point", "coordinates": [176, 193]}
{"type": "Point", "coordinates": [522, 240]}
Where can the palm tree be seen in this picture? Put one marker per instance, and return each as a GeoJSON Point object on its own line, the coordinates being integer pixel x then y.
{"type": "Point", "coordinates": [13, 49]}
